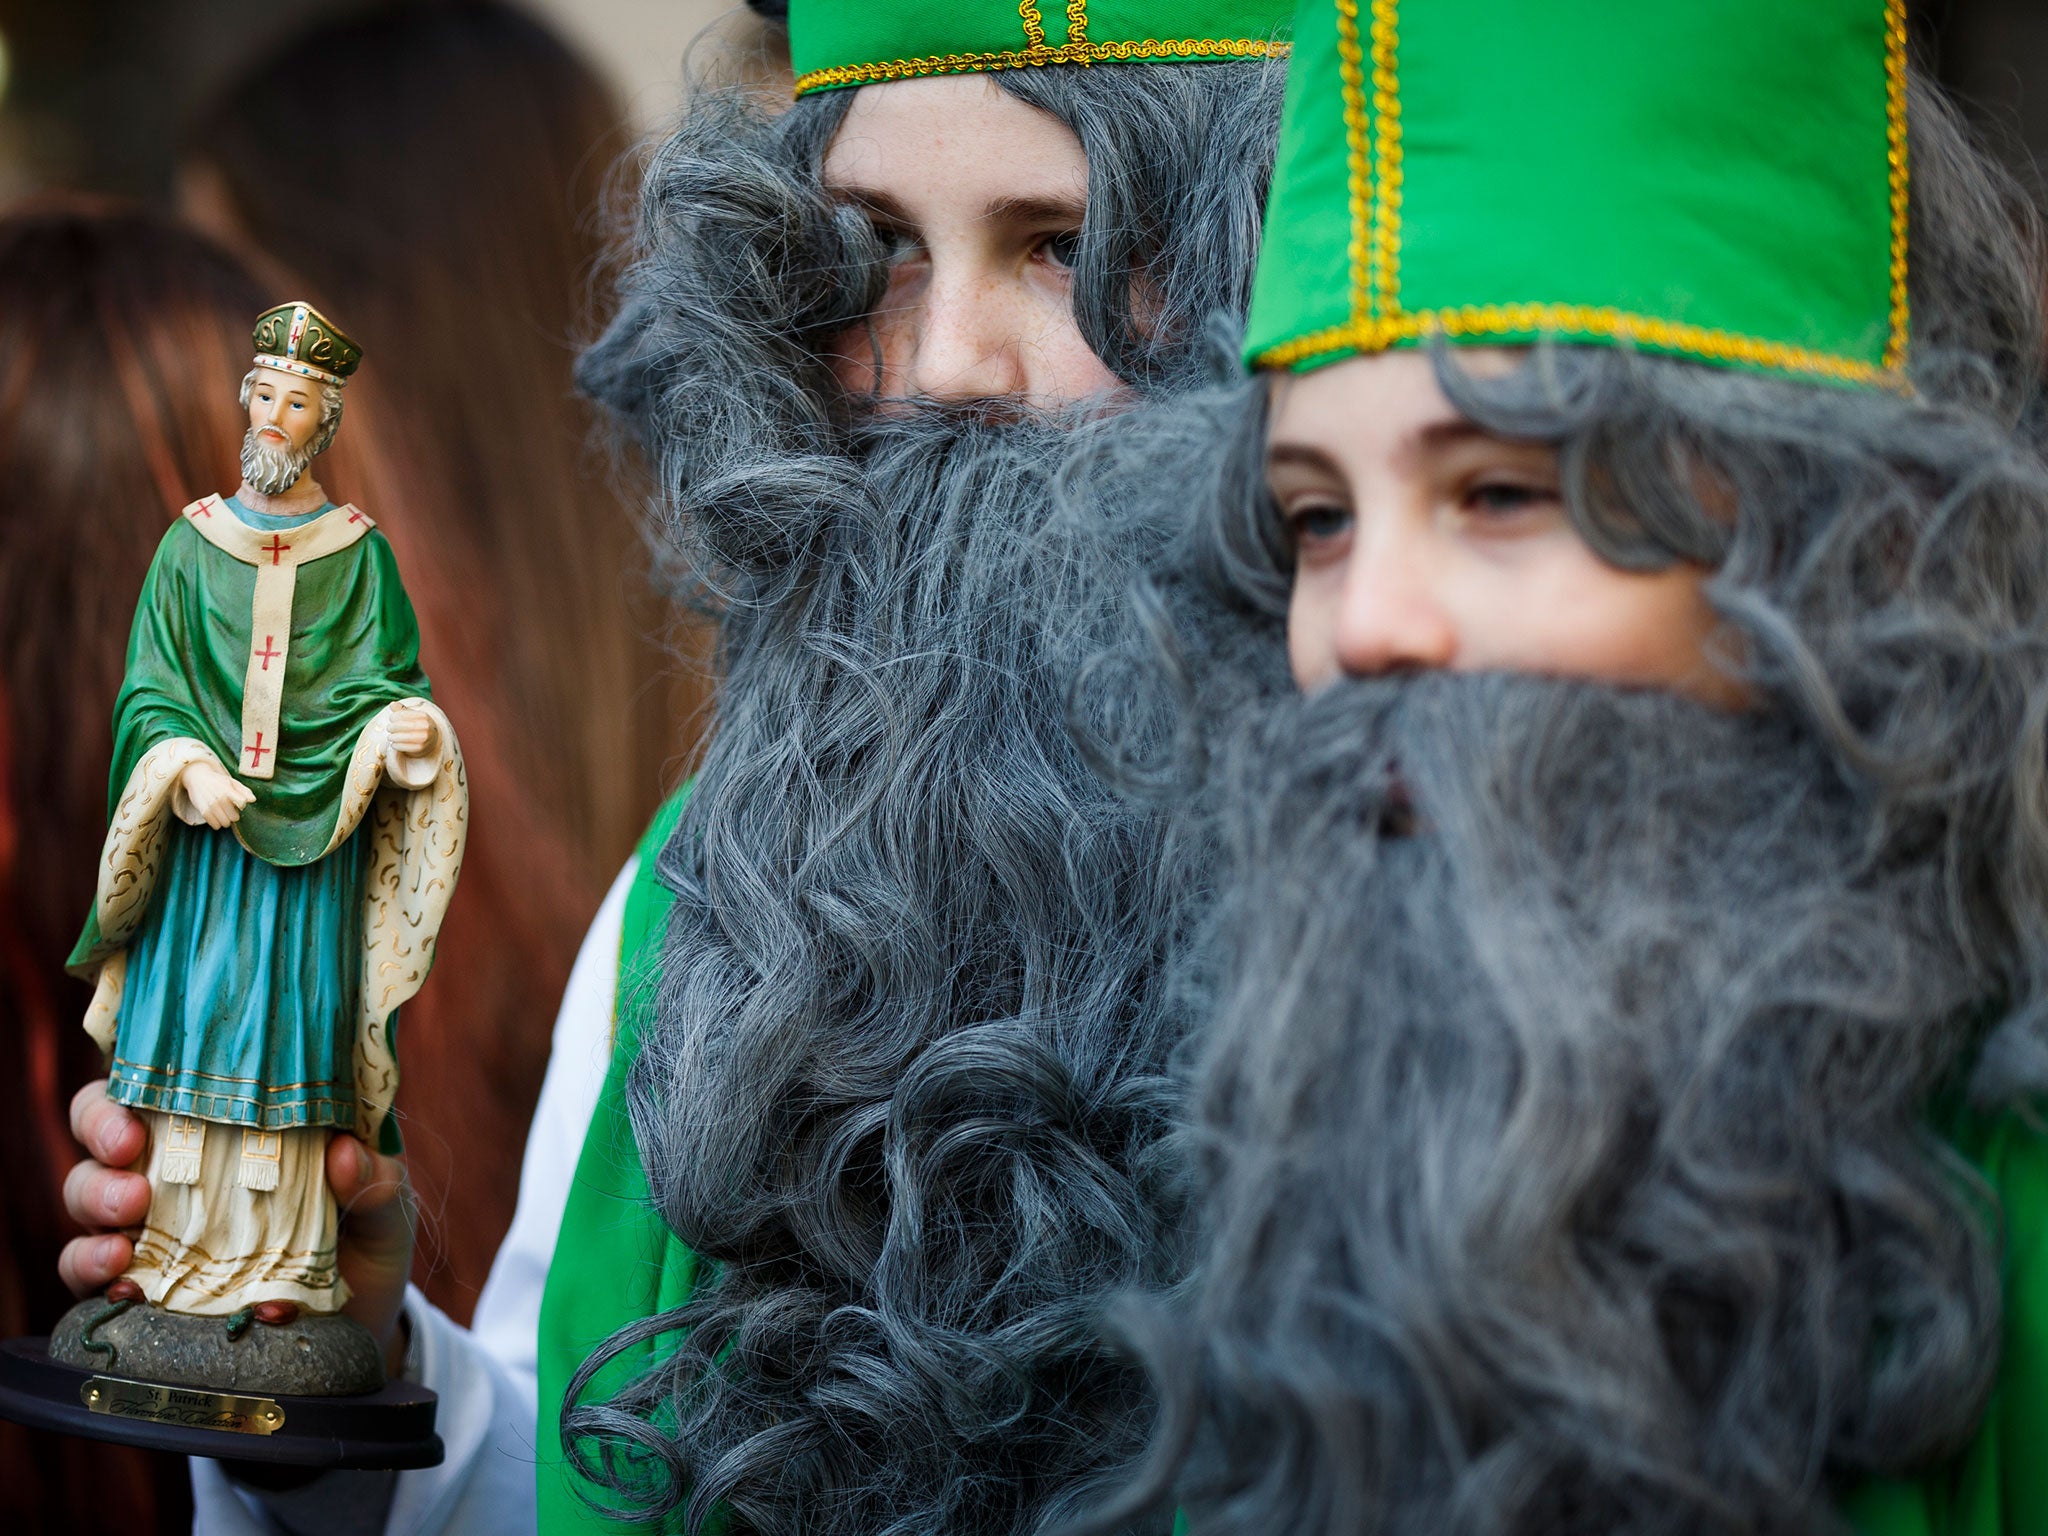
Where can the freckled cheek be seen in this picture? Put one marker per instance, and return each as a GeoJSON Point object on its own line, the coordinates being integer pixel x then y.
{"type": "Point", "coordinates": [1064, 353]}
{"type": "Point", "coordinates": [1646, 630]}
{"type": "Point", "coordinates": [1694, 644]}
{"type": "Point", "coordinates": [887, 338]}
{"type": "Point", "coordinates": [852, 366]}
{"type": "Point", "coordinates": [853, 354]}
{"type": "Point", "coordinates": [1312, 629]}
{"type": "Point", "coordinates": [1660, 625]}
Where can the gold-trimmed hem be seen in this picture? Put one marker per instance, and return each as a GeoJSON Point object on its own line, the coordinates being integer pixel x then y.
{"type": "Point", "coordinates": [1507, 323]}
{"type": "Point", "coordinates": [1206, 49]}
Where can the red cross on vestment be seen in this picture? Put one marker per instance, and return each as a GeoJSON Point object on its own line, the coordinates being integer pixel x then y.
{"type": "Point", "coordinates": [258, 752]}
{"type": "Point", "coordinates": [274, 548]}
{"type": "Point", "coordinates": [201, 509]}
{"type": "Point", "coordinates": [267, 653]}
{"type": "Point", "coordinates": [357, 517]}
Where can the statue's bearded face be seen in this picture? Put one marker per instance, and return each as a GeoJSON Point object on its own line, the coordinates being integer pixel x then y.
{"type": "Point", "coordinates": [284, 421]}
{"type": "Point", "coordinates": [270, 466]}
{"type": "Point", "coordinates": [284, 410]}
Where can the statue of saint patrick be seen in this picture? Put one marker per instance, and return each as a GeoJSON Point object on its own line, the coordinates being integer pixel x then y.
{"type": "Point", "coordinates": [288, 813]}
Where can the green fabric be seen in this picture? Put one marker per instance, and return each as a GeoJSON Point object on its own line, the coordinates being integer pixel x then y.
{"type": "Point", "coordinates": [615, 1260]}
{"type": "Point", "coordinates": [1998, 1486]}
{"type": "Point", "coordinates": [354, 649]}
{"type": "Point", "coordinates": [1711, 181]}
{"type": "Point", "coordinates": [833, 44]}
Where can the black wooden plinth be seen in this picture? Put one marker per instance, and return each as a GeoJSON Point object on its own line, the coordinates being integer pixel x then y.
{"type": "Point", "coordinates": [392, 1427]}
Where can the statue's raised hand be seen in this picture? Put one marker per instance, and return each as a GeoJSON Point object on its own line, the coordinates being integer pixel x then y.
{"type": "Point", "coordinates": [217, 796]}
{"type": "Point", "coordinates": [413, 733]}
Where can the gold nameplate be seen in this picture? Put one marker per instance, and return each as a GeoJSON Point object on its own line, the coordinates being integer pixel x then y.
{"type": "Point", "coordinates": [186, 1407]}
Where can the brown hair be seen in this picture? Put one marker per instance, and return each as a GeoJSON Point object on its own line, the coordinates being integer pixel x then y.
{"type": "Point", "coordinates": [446, 202]}
{"type": "Point", "coordinates": [122, 341]}
{"type": "Point", "coordinates": [442, 206]}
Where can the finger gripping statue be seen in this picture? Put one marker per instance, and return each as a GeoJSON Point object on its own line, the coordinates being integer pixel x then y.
{"type": "Point", "coordinates": [287, 817]}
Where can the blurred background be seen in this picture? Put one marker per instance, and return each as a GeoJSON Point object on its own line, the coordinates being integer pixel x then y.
{"type": "Point", "coordinates": [95, 95]}
{"type": "Point", "coordinates": [446, 178]}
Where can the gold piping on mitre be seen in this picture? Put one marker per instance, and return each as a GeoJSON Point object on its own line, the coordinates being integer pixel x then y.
{"type": "Point", "coordinates": [296, 338]}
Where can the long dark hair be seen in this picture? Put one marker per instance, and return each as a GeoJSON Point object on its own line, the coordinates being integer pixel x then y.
{"type": "Point", "coordinates": [122, 341]}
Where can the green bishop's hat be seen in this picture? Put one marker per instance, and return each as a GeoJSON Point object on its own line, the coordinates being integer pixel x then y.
{"type": "Point", "coordinates": [1721, 180]}
{"type": "Point", "coordinates": [836, 43]}
{"type": "Point", "coordinates": [296, 338]}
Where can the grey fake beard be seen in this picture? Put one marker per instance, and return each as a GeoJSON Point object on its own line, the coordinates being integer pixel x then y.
{"type": "Point", "coordinates": [907, 1081]}
{"type": "Point", "coordinates": [906, 1086]}
{"type": "Point", "coordinates": [1564, 1133]}
{"type": "Point", "coordinates": [272, 471]}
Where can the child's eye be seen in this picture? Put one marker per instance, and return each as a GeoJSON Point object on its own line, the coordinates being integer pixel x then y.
{"type": "Point", "coordinates": [896, 242]}
{"type": "Point", "coordinates": [1505, 499]}
{"type": "Point", "coordinates": [1319, 523]}
{"type": "Point", "coordinates": [1062, 249]}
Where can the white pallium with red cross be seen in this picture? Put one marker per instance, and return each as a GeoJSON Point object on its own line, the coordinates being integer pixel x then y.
{"type": "Point", "coordinates": [277, 558]}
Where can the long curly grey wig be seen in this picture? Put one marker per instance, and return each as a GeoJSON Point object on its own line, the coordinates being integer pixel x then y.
{"type": "Point", "coordinates": [1578, 1143]}
{"type": "Point", "coordinates": [906, 1084]}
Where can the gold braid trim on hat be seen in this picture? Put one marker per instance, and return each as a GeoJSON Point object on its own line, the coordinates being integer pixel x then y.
{"type": "Point", "coordinates": [1374, 175]}
{"type": "Point", "coordinates": [1507, 322]}
{"type": "Point", "coordinates": [1037, 55]}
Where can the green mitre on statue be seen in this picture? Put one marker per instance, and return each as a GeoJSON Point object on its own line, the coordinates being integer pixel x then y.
{"type": "Point", "coordinates": [296, 338]}
{"type": "Point", "coordinates": [837, 43]}
{"type": "Point", "coordinates": [1723, 181]}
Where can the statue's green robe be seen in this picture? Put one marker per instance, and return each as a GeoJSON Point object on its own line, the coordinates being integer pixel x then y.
{"type": "Point", "coordinates": [270, 643]}
{"type": "Point", "coordinates": [616, 1262]}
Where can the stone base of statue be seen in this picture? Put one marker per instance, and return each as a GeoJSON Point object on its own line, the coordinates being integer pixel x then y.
{"type": "Point", "coordinates": [318, 1355]}
{"type": "Point", "coordinates": [308, 1393]}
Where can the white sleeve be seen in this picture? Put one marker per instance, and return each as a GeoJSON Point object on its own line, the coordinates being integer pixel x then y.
{"type": "Point", "coordinates": [486, 1375]}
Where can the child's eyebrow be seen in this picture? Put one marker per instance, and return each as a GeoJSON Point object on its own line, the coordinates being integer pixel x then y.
{"type": "Point", "coordinates": [1036, 210]}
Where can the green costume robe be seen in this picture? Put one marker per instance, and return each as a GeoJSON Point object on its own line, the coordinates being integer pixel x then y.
{"type": "Point", "coordinates": [270, 644]}
{"type": "Point", "coordinates": [615, 1259]}
{"type": "Point", "coordinates": [616, 1262]}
